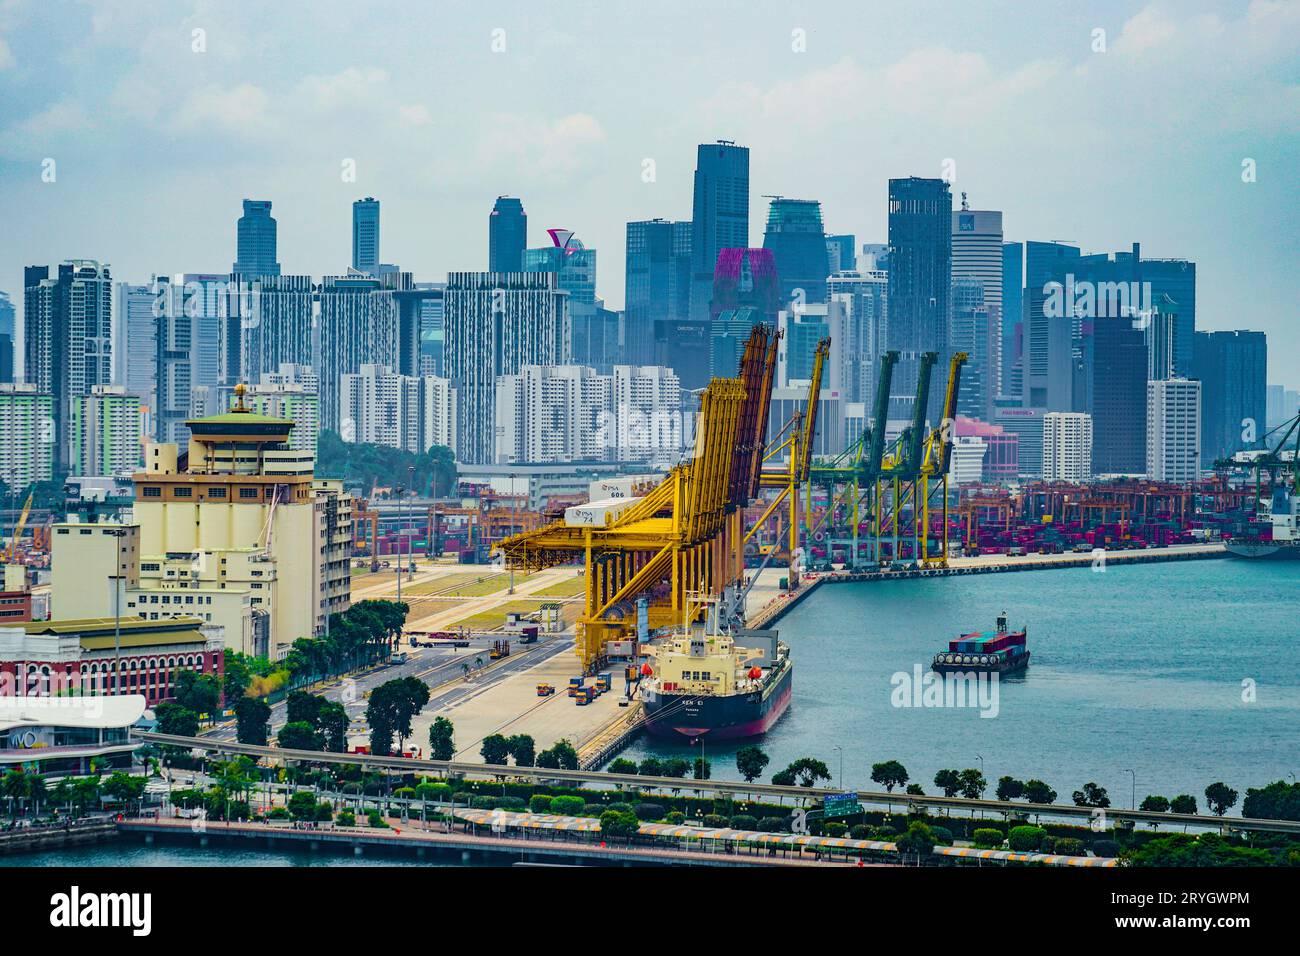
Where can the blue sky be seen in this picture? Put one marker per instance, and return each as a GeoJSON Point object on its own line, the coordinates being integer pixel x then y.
{"type": "Point", "coordinates": [155, 144]}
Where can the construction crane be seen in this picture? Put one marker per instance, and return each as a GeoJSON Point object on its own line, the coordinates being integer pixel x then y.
{"type": "Point", "coordinates": [683, 538]}
{"type": "Point", "coordinates": [11, 553]}
{"type": "Point", "coordinates": [938, 457]}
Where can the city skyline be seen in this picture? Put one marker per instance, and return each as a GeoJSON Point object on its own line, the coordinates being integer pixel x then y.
{"type": "Point", "coordinates": [150, 179]}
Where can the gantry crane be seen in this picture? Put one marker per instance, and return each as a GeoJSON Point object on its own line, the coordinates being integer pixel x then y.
{"type": "Point", "coordinates": [686, 536]}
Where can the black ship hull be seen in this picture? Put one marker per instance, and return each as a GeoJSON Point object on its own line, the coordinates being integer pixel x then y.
{"type": "Point", "coordinates": [730, 717]}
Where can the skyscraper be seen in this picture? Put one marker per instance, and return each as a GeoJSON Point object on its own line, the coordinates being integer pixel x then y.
{"type": "Point", "coordinates": [720, 215]}
{"type": "Point", "coordinates": [1118, 367]}
{"type": "Point", "coordinates": [574, 267]}
{"type": "Point", "coordinates": [507, 235]}
{"type": "Point", "coordinates": [977, 254]}
{"type": "Point", "coordinates": [6, 338]}
{"type": "Point", "coordinates": [135, 352]}
{"type": "Point", "coordinates": [104, 432]}
{"type": "Point", "coordinates": [494, 324]}
{"type": "Point", "coordinates": [68, 337]}
{"type": "Point", "coordinates": [275, 325]}
{"type": "Point", "coordinates": [1047, 334]}
{"type": "Point", "coordinates": [1013, 304]}
{"type": "Point", "coordinates": [1067, 446]}
{"type": "Point", "coordinates": [365, 234]}
{"type": "Point", "coordinates": [971, 331]}
{"type": "Point", "coordinates": [920, 279]}
{"type": "Point", "coordinates": [359, 325]}
{"type": "Point", "coordinates": [841, 253]}
{"type": "Point", "coordinates": [255, 246]}
{"type": "Point", "coordinates": [796, 239]}
{"type": "Point", "coordinates": [869, 291]}
{"type": "Point", "coordinates": [1232, 368]}
{"type": "Point", "coordinates": [658, 285]}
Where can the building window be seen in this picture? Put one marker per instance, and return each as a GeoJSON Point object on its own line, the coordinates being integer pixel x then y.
{"type": "Point", "coordinates": [248, 492]}
{"type": "Point", "coordinates": [216, 492]}
{"type": "Point", "coordinates": [183, 492]}
{"type": "Point", "coordinates": [151, 491]}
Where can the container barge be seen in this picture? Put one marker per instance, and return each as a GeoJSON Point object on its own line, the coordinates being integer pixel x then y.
{"type": "Point", "coordinates": [989, 652]}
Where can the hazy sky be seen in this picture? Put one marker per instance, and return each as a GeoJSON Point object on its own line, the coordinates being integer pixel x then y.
{"type": "Point", "coordinates": [155, 144]}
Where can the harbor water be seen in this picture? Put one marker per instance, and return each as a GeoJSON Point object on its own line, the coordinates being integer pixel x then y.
{"type": "Point", "coordinates": [1186, 673]}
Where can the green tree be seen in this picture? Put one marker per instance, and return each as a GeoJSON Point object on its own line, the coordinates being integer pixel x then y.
{"type": "Point", "coordinates": [562, 756]}
{"type": "Point", "coordinates": [237, 677]}
{"type": "Point", "coordinates": [889, 774]}
{"type": "Point", "coordinates": [1220, 798]}
{"type": "Point", "coordinates": [751, 762]}
{"type": "Point", "coordinates": [619, 824]}
{"type": "Point", "coordinates": [949, 781]}
{"type": "Point", "coordinates": [809, 770]}
{"type": "Point", "coordinates": [332, 723]}
{"type": "Point", "coordinates": [1009, 788]}
{"type": "Point", "coordinates": [302, 806]}
{"type": "Point", "coordinates": [495, 749]}
{"type": "Point", "coordinates": [442, 744]}
{"type": "Point", "coordinates": [1277, 801]}
{"type": "Point", "coordinates": [176, 720]}
{"type": "Point", "coordinates": [701, 769]}
{"type": "Point", "coordinates": [300, 735]}
{"type": "Point", "coordinates": [622, 765]}
{"type": "Point", "coordinates": [918, 841]}
{"type": "Point", "coordinates": [252, 717]}
{"type": "Point", "coordinates": [124, 788]}
{"type": "Point", "coordinates": [651, 767]}
{"type": "Point", "coordinates": [972, 783]}
{"type": "Point", "coordinates": [200, 693]}
{"type": "Point", "coordinates": [1184, 804]}
{"type": "Point", "coordinates": [784, 778]}
{"type": "Point", "coordinates": [1038, 792]}
{"type": "Point", "coordinates": [1155, 803]}
{"type": "Point", "coordinates": [523, 749]}
{"type": "Point", "coordinates": [914, 790]}
{"type": "Point", "coordinates": [1091, 796]}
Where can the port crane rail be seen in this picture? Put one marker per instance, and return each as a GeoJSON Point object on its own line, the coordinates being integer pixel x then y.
{"type": "Point", "coordinates": [687, 533]}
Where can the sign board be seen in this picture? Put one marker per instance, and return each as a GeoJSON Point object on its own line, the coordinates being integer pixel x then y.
{"type": "Point", "coordinates": [841, 805]}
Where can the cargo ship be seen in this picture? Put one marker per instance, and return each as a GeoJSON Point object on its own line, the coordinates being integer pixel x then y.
{"type": "Point", "coordinates": [988, 652]}
{"type": "Point", "coordinates": [707, 685]}
{"type": "Point", "coordinates": [1284, 520]}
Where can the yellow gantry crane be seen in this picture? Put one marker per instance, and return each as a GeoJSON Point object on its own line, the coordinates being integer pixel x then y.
{"type": "Point", "coordinates": [684, 537]}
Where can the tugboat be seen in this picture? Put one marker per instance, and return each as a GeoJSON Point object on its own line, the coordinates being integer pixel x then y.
{"type": "Point", "coordinates": [985, 652]}
{"type": "Point", "coordinates": [706, 684]}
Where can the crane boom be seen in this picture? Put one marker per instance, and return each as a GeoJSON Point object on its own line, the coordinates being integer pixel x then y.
{"type": "Point", "coordinates": [944, 431]}
{"type": "Point", "coordinates": [880, 414]}
{"type": "Point", "coordinates": [916, 432]}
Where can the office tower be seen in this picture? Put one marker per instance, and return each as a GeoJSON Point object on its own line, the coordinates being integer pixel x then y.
{"type": "Point", "coordinates": [68, 337]}
{"type": "Point", "coordinates": [1232, 368]}
{"type": "Point", "coordinates": [801, 331]}
{"type": "Point", "coordinates": [494, 324]}
{"type": "Point", "coordinates": [294, 401]}
{"type": "Point", "coordinates": [1283, 405]}
{"type": "Point", "coordinates": [869, 290]}
{"type": "Point", "coordinates": [720, 215]}
{"type": "Point", "coordinates": [255, 248]}
{"type": "Point", "coordinates": [410, 412]}
{"type": "Point", "coordinates": [1161, 330]}
{"type": "Point", "coordinates": [728, 333]}
{"type": "Point", "coordinates": [1047, 334]}
{"type": "Point", "coordinates": [797, 241]}
{"type": "Point", "coordinates": [574, 267]}
{"type": "Point", "coordinates": [1027, 425]}
{"type": "Point", "coordinates": [104, 431]}
{"type": "Point", "coordinates": [971, 331]}
{"type": "Point", "coordinates": [135, 348]}
{"type": "Point", "coordinates": [27, 424]}
{"type": "Point", "coordinates": [1118, 397]}
{"type": "Point", "coordinates": [275, 322]}
{"type": "Point", "coordinates": [874, 257]}
{"type": "Point", "coordinates": [1067, 446]}
{"type": "Point", "coordinates": [173, 343]}
{"type": "Point", "coordinates": [1001, 459]}
{"type": "Point", "coordinates": [841, 253]}
{"type": "Point", "coordinates": [365, 235]}
{"type": "Point", "coordinates": [1013, 304]}
{"type": "Point", "coordinates": [977, 254]}
{"type": "Point", "coordinates": [1124, 283]}
{"type": "Point", "coordinates": [1174, 430]}
{"type": "Point", "coordinates": [920, 278]}
{"type": "Point", "coordinates": [658, 285]}
{"type": "Point", "coordinates": [7, 322]}
{"type": "Point", "coordinates": [507, 235]}
{"type": "Point", "coordinates": [419, 319]}
{"type": "Point", "coordinates": [358, 325]}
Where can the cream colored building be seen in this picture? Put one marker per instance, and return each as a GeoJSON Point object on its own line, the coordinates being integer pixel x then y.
{"type": "Point", "coordinates": [236, 532]}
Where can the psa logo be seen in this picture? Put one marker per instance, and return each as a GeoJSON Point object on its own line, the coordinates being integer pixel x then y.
{"type": "Point", "coordinates": [75, 909]}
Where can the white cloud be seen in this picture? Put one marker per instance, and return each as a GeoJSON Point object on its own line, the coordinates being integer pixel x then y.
{"type": "Point", "coordinates": [241, 109]}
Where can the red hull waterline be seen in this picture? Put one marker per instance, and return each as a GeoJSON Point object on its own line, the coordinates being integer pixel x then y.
{"type": "Point", "coordinates": [755, 728]}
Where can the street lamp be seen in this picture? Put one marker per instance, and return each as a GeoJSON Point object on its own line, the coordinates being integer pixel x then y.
{"type": "Point", "coordinates": [410, 545]}
{"type": "Point", "coordinates": [1132, 802]}
{"type": "Point", "coordinates": [841, 753]}
{"type": "Point", "coordinates": [118, 534]}
{"type": "Point", "coordinates": [981, 760]}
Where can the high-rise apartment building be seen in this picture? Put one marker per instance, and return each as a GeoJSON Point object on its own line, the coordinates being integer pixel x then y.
{"type": "Point", "coordinates": [359, 324]}
{"type": "Point", "coordinates": [68, 337]}
{"type": "Point", "coordinates": [574, 266]}
{"type": "Point", "coordinates": [1232, 368]}
{"type": "Point", "coordinates": [920, 282]}
{"type": "Point", "coordinates": [135, 344]}
{"type": "Point", "coordinates": [7, 324]}
{"type": "Point", "coordinates": [104, 431]}
{"type": "Point", "coordinates": [868, 330]}
{"type": "Point", "coordinates": [274, 318]}
{"type": "Point", "coordinates": [365, 235]}
{"type": "Point", "coordinates": [383, 407]}
{"type": "Point", "coordinates": [507, 235]}
{"type": "Point", "coordinates": [1067, 446]}
{"type": "Point", "coordinates": [1174, 430]}
{"type": "Point", "coordinates": [494, 324]}
{"type": "Point", "coordinates": [27, 424]}
{"type": "Point", "coordinates": [841, 253]}
{"type": "Point", "coordinates": [720, 215]}
{"type": "Point", "coordinates": [296, 402]}
{"type": "Point", "coordinates": [255, 242]}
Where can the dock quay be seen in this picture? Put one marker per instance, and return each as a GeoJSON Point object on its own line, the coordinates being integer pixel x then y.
{"type": "Point", "coordinates": [56, 837]}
